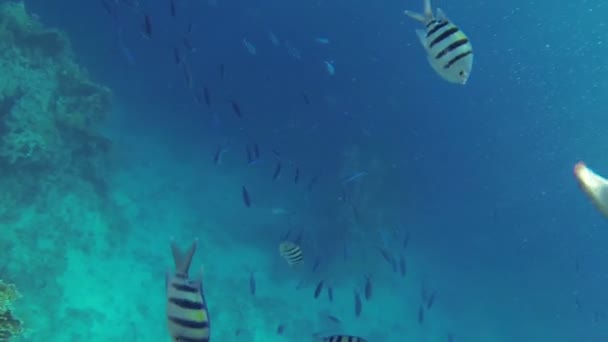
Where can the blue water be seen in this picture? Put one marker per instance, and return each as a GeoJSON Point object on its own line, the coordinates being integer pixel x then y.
{"type": "Point", "coordinates": [480, 175]}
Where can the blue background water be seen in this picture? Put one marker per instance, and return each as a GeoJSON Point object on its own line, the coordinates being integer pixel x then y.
{"type": "Point", "coordinates": [480, 175]}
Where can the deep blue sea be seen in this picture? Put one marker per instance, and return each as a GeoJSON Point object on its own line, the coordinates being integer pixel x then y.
{"type": "Point", "coordinates": [478, 177]}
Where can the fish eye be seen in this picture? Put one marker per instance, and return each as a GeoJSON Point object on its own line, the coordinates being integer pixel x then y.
{"type": "Point", "coordinates": [461, 73]}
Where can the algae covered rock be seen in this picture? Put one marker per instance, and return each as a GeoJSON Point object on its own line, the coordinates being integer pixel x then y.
{"type": "Point", "coordinates": [10, 326]}
{"type": "Point", "coordinates": [49, 107]}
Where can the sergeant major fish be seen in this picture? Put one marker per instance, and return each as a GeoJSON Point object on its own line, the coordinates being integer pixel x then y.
{"type": "Point", "coordinates": [448, 49]}
{"type": "Point", "coordinates": [187, 312]}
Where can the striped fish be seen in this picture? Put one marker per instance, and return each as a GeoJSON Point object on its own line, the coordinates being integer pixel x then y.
{"type": "Point", "coordinates": [341, 338]}
{"type": "Point", "coordinates": [187, 312]}
{"type": "Point", "coordinates": [291, 252]}
{"type": "Point", "coordinates": [448, 49]}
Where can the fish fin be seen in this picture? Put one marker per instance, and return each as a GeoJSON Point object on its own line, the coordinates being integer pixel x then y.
{"type": "Point", "coordinates": [416, 16]}
{"type": "Point", "coordinates": [428, 11]}
{"type": "Point", "coordinates": [441, 15]}
{"type": "Point", "coordinates": [183, 260]}
{"type": "Point", "coordinates": [422, 37]}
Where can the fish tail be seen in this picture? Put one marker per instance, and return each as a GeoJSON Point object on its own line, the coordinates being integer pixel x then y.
{"type": "Point", "coordinates": [183, 260]}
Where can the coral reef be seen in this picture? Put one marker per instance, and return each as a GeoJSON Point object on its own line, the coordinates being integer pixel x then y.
{"type": "Point", "coordinates": [10, 326]}
{"type": "Point", "coordinates": [49, 109]}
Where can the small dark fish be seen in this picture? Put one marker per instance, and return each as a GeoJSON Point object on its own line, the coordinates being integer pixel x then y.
{"type": "Point", "coordinates": [318, 289]}
{"type": "Point", "coordinates": [256, 151]}
{"type": "Point", "coordinates": [109, 8]}
{"type": "Point", "coordinates": [406, 240]}
{"type": "Point", "coordinates": [368, 288]}
{"type": "Point", "coordinates": [286, 235]}
{"type": "Point", "coordinates": [222, 71]}
{"type": "Point", "coordinates": [277, 171]}
{"type": "Point", "coordinates": [236, 108]}
{"type": "Point", "coordinates": [280, 329]}
{"type": "Point", "coordinates": [176, 56]}
{"type": "Point", "coordinates": [217, 157]}
{"type": "Point", "coordinates": [189, 29]}
{"type": "Point", "coordinates": [306, 99]}
{"type": "Point", "coordinates": [298, 240]}
{"type": "Point", "coordinates": [297, 176]}
{"type": "Point", "coordinates": [207, 96]}
{"type": "Point", "coordinates": [390, 259]}
{"type": "Point", "coordinates": [339, 338]}
{"type": "Point", "coordinates": [312, 183]}
{"type": "Point", "coordinates": [451, 337]}
{"type": "Point", "coordinates": [421, 315]}
{"type": "Point", "coordinates": [173, 9]}
{"type": "Point", "coordinates": [146, 27]}
{"type": "Point", "coordinates": [315, 266]}
{"type": "Point", "coordinates": [358, 305]}
{"type": "Point", "coordinates": [276, 153]}
{"type": "Point", "coordinates": [238, 332]}
{"type": "Point", "coordinates": [402, 266]}
{"type": "Point", "coordinates": [252, 286]}
{"type": "Point", "coordinates": [187, 74]}
{"type": "Point", "coordinates": [246, 198]}
{"type": "Point", "coordinates": [330, 293]}
{"type": "Point", "coordinates": [431, 300]}
{"type": "Point", "coordinates": [334, 319]}
{"type": "Point", "coordinates": [356, 213]}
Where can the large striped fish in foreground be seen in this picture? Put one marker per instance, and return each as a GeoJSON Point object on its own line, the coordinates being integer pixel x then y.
{"type": "Point", "coordinates": [448, 49]}
{"type": "Point", "coordinates": [187, 312]}
{"type": "Point", "coordinates": [594, 186]}
{"type": "Point", "coordinates": [338, 338]}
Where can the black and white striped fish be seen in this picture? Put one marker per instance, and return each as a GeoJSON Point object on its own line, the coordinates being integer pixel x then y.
{"type": "Point", "coordinates": [448, 49]}
{"type": "Point", "coordinates": [291, 252]}
{"type": "Point", "coordinates": [187, 312]}
{"type": "Point", "coordinates": [339, 338]}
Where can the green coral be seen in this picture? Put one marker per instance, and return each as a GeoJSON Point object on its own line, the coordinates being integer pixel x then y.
{"type": "Point", "coordinates": [49, 108]}
{"type": "Point", "coordinates": [10, 326]}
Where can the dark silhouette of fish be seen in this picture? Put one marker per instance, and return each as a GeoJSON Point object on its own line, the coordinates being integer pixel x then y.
{"type": "Point", "coordinates": [246, 198]}
{"type": "Point", "coordinates": [334, 319]}
{"type": "Point", "coordinates": [451, 337]}
{"type": "Point", "coordinates": [222, 71]}
{"type": "Point", "coordinates": [277, 171]}
{"type": "Point", "coordinates": [330, 293]}
{"type": "Point", "coordinates": [280, 329]}
{"type": "Point", "coordinates": [173, 9]}
{"type": "Point", "coordinates": [406, 240]}
{"type": "Point", "coordinates": [176, 56]}
{"type": "Point", "coordinates": [236, 108]}
{"type": "Point", "coordinates": [368, 288]}
{"type": "Point", "coordinates": [402, 266]}
{"type": "Point", "coordinates": [207, 96]}
{"type": "Point", "coordinates": [306, 99]}
{"type": "Point", "coordinates": [420, 315]}
{"type": "Point", "coordinates": [315, 266]}
{"type": "Point", "coordinates": [431, 300]}
{"type": "Point", "coordinates": [256, 151]}
{"type": "Point", "coordinates": [252, 285]}
{"type": "Point", "coordinates": [312, 183]}
{"type": "Point", "coordinates": [297, 175]}
{"type": "Point", "coordinates": [318, 289]}
{"type": "Point", "coordinates": [146, 27]}
{"type": "Point", "coordinates": [358, 304]}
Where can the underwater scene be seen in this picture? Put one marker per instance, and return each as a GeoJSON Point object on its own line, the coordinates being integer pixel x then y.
{"type": "Point", "coordinates": [284, 170]}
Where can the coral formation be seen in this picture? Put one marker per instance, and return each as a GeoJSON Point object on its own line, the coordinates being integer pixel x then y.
{"type": "Point", "coordinates": [49, 108]}
{"type": "Point", "coordinates": [10, 326]}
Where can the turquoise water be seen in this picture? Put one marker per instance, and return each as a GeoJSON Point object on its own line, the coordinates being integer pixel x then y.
{"type": "Point", "coordinates": [479, 176]}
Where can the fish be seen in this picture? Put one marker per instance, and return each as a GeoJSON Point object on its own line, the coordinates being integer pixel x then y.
{"type": "Point", "coordinates": [250, 47]}
{"type": "Point", "coordinates": [322, 41]}
{"type": "Point", "coordinates": [451, 337]}
{"type": "Point", "coordinates": [306, 99]}
{"type": "Point", "coordinates": [146, 27]}
{"type": "Point", "coordinates": [358, 304]}
{"type": "Point", "coordinates": [217, 157]}
{"type": "Point", "coordinates": [277, 171]}
{"type": "Point", "coordinates": [236, 108]}
{"type": "Point", "coordinates": [273, 38]}
{"type": "Point", "coordinates": [297, 175]}
{"type": "Point", "coordinates": [187, 74]}
{"type": "Point", "coordinates": [420, 314]}
{"type": "Point", "coordinates": [330, 294]}
{"type": "Point", "coordinates": [110, 8]}
{"type": "Point", "coordinates": [188, 45]}
{"type": "Point", "coordinates": [430, 300]}
{"type": "Point", "coordinates": [388, 257]}
{"type": "Point", "coordinates": [206, 96]}
{"type": "Point", "coordinates": [449, 51]}
{"type": "Point", "coordinates": [291, 252]}
{"type": "Point", "coordinates": [354, 177]}
{"type": "Point", "coordinates": [249, 156]}
{"type": "Point", "coordinates": [246, 198]}
{"type": "Point", "coordinates": [594, 186]}
{"type": "Point", "coordinates": [368, 288]}
{"type": "Point", "coordinates": [318, 289]}
{"type": "Point", "coordinates": [222, 71]}
{"type": "Point", "coordinates": [339, 338]}
{"type": "Point", "coordinates": [173, 8]}
{"type": "Point", "coordinates": [334, 319]}
{"type": "Point", "coordinates": [187, 313]}
{"type": "Point", "coordinates": [315, 266]}
{"type": "Point", "coordinates": [252, 285]}
{"type": "Point", "coordinates": [329, 66]}
{"type": "Point", "coordinates": [402, 266]}
{"type": "Point", "coordinates": [406, 240]}
{"type": "Point", "coordinates": [280, 329]}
